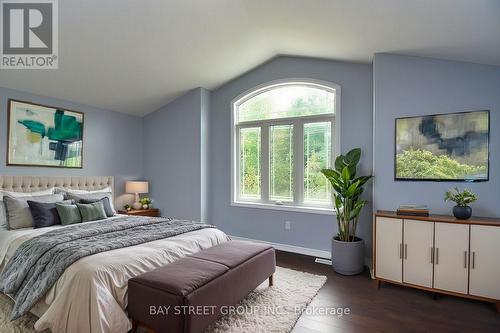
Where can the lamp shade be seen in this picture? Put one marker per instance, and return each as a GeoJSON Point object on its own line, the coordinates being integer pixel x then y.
{"type": "Point", "coordinates": [137, 187]}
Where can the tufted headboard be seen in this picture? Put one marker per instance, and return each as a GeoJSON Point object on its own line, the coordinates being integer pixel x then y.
{"type": "Point", "coordinates": [39, 183]}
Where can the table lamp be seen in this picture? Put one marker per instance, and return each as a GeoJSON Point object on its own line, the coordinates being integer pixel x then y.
{"type": "Point", "coordinates": [137, 187]}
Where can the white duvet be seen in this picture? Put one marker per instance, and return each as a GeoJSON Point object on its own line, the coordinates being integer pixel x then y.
{"type": "Point", "coordinates": [91, 295]}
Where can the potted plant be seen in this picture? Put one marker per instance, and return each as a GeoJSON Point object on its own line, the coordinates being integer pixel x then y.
{"type": "Point", "coordinates": [127, 207]}
{"type": "Point", "coordinates": [462, 210]}
{"type": "Point", "coordinates": [347, 248]}
{"type": "Point", "coordinates": [145, 202]}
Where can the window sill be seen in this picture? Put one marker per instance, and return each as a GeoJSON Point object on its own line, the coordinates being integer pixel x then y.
{"type": "Point", "coordinates": [259, 205]}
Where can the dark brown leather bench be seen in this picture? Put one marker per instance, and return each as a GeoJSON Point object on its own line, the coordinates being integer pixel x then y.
{"type": "Point", "coordinates": [187, 295]}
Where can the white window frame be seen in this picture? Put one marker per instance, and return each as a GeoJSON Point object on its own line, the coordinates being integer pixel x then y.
{"type": "Point", "coordinates": [298, 124]}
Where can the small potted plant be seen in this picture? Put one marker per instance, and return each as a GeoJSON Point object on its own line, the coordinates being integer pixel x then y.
{"type": "Point", "coordinates": [462, 210]}
{"type": "Point", "coordinates": [127, 207]}
{"type": "Point", "coordinates": [347, 248]}
{"type": "Point", "coordinates": [145, 202]}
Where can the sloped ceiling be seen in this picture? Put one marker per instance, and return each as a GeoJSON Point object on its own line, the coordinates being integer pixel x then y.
{"type": "Point", "coordinates": [135, 56]}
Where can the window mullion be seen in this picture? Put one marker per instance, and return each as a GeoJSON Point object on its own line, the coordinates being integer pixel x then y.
{"type": "Point", "coordinates": [298, 162]}
{"type": "Point", "coordinates": [264, 162]}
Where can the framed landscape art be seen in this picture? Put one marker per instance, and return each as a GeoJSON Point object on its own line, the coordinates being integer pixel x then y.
{"type": "Point", "coordinates": [45, 136]}
{"type": "Point", "coordinates": [443, 147]}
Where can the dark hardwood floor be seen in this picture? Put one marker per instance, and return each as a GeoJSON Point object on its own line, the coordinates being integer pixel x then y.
{"type": "Point", "coordinates": [388, 309]}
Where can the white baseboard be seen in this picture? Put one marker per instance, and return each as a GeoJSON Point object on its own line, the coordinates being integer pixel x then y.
{"type": "Point", "coordinates": [299, 249]}
{"type": "Point", "coordinates": [291, 248]}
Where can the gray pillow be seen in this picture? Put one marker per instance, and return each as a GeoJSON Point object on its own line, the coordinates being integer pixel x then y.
{"type": "Point", "coordinates": [45, 214]}
{"type": "Point", "coordinates": [68, 214]}
{"type": "Point", "coordinates": [105, 202]}
{"type": "Point", "coordinates": [90, 196]}
{"type": "Point", "coordinates": [92, 212]}
{"type": "Point", "coordinates": [3, 216]}
{"type": "Point", "coordinates": [18, 211]}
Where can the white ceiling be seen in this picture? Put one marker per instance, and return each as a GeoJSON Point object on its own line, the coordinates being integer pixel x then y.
{"type": "Point", "coordinates": [134, 56]}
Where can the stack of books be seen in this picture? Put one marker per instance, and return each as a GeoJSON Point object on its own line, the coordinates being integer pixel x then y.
{"type": "Point", "coordinates": [413, 210]}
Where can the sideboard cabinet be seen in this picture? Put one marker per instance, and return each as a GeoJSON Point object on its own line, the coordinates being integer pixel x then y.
{"type": "Point", "coordinates": [439, 253]}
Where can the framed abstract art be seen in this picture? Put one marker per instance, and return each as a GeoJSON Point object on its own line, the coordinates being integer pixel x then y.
{"type": "Point", "coordinates": [44, 136]}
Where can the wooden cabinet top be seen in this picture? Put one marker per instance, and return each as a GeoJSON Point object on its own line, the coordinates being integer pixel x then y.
{"type": "Point", "coordinates": [441, 218]}
{"type": "Point", "coordinates": [154, 212]}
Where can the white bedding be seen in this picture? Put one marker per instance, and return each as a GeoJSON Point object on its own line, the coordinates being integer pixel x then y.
{"type": "Point", "coordinates": [91, 295]}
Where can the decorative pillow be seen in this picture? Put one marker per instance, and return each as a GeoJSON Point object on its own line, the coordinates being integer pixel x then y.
{"type": "Point", "coordinates": [69, 190]}
{"type": "Point", "coordinates": [96, 196]}
{"type": "Point", "coordinates": [45, 214]}
{"type": "Point", "coordinates": [3, 214]}
{"type": "Point", "coordinates": [92, 212]}
{"type": "Point", "coordinates": [105, 202]}
{"type": "Point", "coordinates": [68, 214]}
{"type": "Point", "coordinates": [18, 211]}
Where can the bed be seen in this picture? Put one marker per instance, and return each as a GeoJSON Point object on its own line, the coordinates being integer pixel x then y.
{"type": "Point", "coordinates": [91, 294]}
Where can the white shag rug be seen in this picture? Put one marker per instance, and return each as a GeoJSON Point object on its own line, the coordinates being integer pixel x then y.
{"type": "Point", "coordinates": [267, 309]}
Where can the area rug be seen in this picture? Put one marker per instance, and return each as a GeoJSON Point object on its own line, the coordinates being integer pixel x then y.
{"type": "Point", "coordinates": [267, 309]}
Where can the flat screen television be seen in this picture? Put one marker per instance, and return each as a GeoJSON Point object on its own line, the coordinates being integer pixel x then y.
{"type": "Point", "coordinates": [443, 147]}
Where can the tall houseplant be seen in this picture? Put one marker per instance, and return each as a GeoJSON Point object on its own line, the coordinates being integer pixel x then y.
{"type": "Point", "coordinates": [347, 249]}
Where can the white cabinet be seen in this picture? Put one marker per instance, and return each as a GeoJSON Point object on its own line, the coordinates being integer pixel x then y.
{"type": "Point", "coordinates": [418, 239]}
{"type": "Point", "coordinates": [451, 244]}
{"type": "Point", "coordinates": [485, 261]}
{"type": "Point", "coordinates": [439, 253]}
{"type": "Point", "coordinates": [388, 239]}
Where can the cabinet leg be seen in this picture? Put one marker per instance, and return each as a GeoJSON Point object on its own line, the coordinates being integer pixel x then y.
{"type": "Point", "coordinates": [271, 280]}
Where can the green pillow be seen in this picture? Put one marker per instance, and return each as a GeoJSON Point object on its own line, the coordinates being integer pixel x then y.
{"type": "Point", "coordinates": [92, 212]}
{"type": "Point", "coordinates": [68, 214]}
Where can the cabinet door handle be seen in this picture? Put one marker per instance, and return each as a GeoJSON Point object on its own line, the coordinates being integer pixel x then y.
{"type": "Point", "coordinates": [432, 255]}
{"type": "Point", "coordinates": [437, 255]}
{"type": "Point", "coordinates": [400, 251]}
{"type": "Point", "coordinates": [406, 251]}
{"type": "Point", "coordinates": [473, 260]}
{"type": "Point", "coordinates": [465, 259]}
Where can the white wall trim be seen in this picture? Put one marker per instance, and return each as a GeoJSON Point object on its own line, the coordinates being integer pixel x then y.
{"type": "Point", "coordinates": [301, 250]}
{"type": "Point", "coordinates": [290, 248]}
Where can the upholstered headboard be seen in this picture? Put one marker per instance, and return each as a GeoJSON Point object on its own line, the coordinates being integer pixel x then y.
{"type": "Point", "coordinates": [39, 183]}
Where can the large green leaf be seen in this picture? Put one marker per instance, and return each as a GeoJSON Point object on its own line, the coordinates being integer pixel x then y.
{"type": "Point", "coordinates": [339, 163]}
{"type": "Point", "coordinates": [353, 156]}
{"type": "Point", "coordinates": [346, 176]}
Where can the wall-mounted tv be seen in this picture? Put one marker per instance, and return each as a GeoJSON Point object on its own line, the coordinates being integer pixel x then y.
{"type": "Point", "coordinates": [443, 147]}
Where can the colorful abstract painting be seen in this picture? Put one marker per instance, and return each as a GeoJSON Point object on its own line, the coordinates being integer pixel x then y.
{"type": "Point", "coordinates": [40, 135]}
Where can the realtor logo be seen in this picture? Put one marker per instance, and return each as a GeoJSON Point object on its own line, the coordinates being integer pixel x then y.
{"type": "Point", "coordinates": [29, 33]}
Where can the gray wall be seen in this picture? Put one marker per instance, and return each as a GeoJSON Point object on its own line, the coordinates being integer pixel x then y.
{"type": "Point", "coordinates": [408, 86]}
{"type": "Point", "coordinates": [112, 143]}
{"type": "Point", "coordinates": [175, 156]}
{"type": "Point", "coordinates": [308, 230]}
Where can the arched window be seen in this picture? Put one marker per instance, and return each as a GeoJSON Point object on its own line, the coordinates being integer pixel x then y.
{"type": "Point", "coordinates": [284, 133]}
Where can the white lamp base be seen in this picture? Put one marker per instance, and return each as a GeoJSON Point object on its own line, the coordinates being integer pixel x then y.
{"type": "Point", "coordinates": [137, 205]}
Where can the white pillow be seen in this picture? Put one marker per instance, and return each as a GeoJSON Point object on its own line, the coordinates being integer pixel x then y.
{"type": "Point", "coordinates": [27, 194]}
{"type": "Point", "coordinates": [3, 215]}
{"type": "Point", "coordinates": [68, 190]}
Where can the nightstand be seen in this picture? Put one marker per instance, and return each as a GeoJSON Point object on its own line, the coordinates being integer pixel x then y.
{"type": "Point", "coordinates": [141, 212]}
